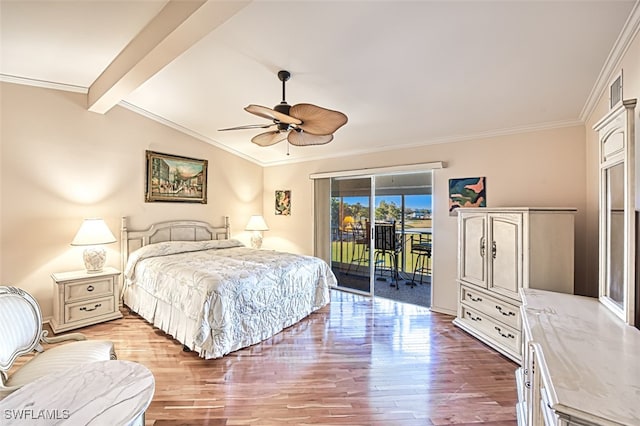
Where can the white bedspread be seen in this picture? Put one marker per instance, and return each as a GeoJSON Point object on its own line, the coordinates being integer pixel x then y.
{"type": "Point", "coordinates": [237, 296]}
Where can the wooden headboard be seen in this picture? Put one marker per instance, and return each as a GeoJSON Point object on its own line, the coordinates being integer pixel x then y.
{"type": "Point", "coordinates": [176, 230]}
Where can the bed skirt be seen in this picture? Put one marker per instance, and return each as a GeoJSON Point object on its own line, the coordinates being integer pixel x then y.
{"type": "Point", "coordinates": [175, 323]}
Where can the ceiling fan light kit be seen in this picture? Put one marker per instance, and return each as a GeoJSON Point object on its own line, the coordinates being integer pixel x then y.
{"type": "Point", "coordinates": [301, 124]}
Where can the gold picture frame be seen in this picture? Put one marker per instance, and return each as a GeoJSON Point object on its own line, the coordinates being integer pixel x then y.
{"type": "Point", "coordinates": [173, 178]}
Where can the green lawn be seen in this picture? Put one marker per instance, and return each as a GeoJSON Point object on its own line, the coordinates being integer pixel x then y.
{"type": "Point", "coordinates": [343, 252]}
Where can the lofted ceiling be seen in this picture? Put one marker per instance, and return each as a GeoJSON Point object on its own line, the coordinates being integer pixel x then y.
{"type": "Point", "coordinates": [406, 73]}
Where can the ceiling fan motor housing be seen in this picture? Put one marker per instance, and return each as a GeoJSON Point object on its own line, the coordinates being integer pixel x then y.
{"type": "Point", "coordinates": [283, 108]}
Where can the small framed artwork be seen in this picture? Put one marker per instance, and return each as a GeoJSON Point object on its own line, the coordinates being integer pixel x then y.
{"type": "Point", "coordinates": [615, 91]}
{"type": "Point", "coordinates": [467, 192]}
{"type": "Point", "coordinates": [175, 179]}
{"type": "Point", "coordinates": [283, 202]}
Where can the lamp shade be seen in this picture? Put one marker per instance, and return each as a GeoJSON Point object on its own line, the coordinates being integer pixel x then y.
{"type": "Point", "coordinates": [257, 223]}
{"type": "Point", "coordinates": [93, 232]}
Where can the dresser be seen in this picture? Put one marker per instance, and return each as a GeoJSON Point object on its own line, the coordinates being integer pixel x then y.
{"type": "Point", "coordinates": [500, 252]}
{"type": "Point", "coordinates": [581, 363]}
{"type": "Point", "coordinates": [81, 298]}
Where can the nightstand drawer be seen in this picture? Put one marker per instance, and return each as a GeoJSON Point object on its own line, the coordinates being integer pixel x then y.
{"type": "Point", "coordinates": [88, 289]}
{"type": "Point", "coordinates": [89, 309]}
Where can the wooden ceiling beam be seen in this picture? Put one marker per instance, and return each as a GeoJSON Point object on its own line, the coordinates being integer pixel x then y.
{"type": "Point", "coordinates": [178, 26]}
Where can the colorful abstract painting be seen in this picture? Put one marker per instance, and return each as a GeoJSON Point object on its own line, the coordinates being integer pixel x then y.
{"type": "Point", "coordinates": [467, 192]}
{"type": "Point", "coordinates": [283, 202]}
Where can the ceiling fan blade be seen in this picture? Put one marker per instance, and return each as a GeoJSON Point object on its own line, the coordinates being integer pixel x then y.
{"type": "Point", "coordinates": [248, 126]}
{"type": "Point", "coordinates": [317, 120]}
{"type": "Point", "coordinates": [269, 138]}
{"type": "Point", "coordinates": [299, 138]}
{"type": "Point", "coordinates": [271, 114]}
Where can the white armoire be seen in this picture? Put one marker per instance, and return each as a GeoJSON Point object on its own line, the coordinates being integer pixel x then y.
{"type": "Point", "coordinates": [500, 251]}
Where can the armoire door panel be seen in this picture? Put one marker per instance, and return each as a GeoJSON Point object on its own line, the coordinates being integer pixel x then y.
{"type": "Point", "coordinates": [505, 254]}
{"type": "Point", "coordinates": [474, 242]}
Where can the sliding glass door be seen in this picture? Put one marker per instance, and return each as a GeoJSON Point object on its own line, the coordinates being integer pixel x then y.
{"type": "Point", "coordinates": [404, 200]}
{"type": "Point", "coordinates": [381, 235]}
{"type": "Point", "coordinates": [351, 233]}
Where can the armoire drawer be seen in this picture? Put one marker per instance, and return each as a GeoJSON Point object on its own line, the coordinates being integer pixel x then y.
{"type": "Point", "coordinates": [504, 312]}
{"type": "Point", "coordinates": [496, 331]}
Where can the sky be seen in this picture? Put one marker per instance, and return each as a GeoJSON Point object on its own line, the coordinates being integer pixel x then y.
{"type": "Point", "coordinates": [411, 201]}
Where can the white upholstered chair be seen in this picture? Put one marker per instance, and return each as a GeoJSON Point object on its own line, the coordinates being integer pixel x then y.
{"type": "Point", "coordinates": [21, 333]}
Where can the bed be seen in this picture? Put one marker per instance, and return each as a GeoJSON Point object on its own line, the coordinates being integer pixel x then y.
{"type": "Point", "coordinates": [213, 294]}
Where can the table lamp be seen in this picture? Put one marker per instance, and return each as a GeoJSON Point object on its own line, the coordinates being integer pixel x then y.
{"type": "Point", "coordinates": [93, 234]}
{"type": "Point", "coordinates": [257, 225]}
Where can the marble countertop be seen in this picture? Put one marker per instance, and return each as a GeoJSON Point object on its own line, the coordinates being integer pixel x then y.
{"type": "Point", "coordinates": [592, 356]}
{"type": "Point", "coordinates": [97, 393]}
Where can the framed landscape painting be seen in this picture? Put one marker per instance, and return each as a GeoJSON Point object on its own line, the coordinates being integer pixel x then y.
{"type": "Point", "coordinates": [467, 192]}
{"type": "Point", "coordinates": [175, 179]}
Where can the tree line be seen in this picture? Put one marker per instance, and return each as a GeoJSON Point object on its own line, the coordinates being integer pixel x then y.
{"type": "Point", "coordinates": [386, 211]}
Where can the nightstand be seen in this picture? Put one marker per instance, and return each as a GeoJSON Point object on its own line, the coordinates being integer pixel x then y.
{"type": "Point", "coordinates": [81, 299]}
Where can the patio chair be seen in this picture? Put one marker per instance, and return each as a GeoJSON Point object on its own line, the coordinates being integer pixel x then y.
{"type": "Point", "coordinates": [360, 245]}
{"type": "Point", "coordinates": [423, 259]}
{"type": "Point", "coordinates": [387, 249]}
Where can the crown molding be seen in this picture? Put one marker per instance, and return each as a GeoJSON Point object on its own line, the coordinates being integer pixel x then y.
{"type": "Point", "coordinates": [612, 64]}
{"type": "Point", "coordinates": [369, 150]}
{"type": "Point", "coordinates": [359, 152]}
{"type": "Point", "coordinates": [186, 131]}
{"type": "Point", "coordinates": [435, 141]}
{"type": "Point", "coordinates": [44, 84]}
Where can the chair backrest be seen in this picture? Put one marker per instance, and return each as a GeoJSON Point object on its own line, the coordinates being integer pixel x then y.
{"type": "Point", "coordinates": [20, 325]}
{"type": "Point", "coordinates": [361, 232]}
{"type": "Point", "coordinates": [385, 236]}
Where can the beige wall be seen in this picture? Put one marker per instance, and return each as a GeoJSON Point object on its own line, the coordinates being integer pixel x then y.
{"type": "Point", "coordinates": [543, 168]}
{"type": "Point", "coordinates": [61, 163]}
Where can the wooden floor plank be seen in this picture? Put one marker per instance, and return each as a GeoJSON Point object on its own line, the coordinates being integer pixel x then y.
{"type": "Point", "coordinates": [355, 362]}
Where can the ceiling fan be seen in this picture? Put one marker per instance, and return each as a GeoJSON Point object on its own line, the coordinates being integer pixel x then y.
{"type": "Point", "coordinates": [300, 124]}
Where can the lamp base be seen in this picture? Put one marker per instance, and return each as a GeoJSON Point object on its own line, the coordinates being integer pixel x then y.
{"type": "Point", "coordinates": [94, 259]}
{"type": "Point", "coordinates": [256, 240]}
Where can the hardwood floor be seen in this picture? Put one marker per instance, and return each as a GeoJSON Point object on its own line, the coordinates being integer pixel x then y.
{"type": "Point", "coordinates": [355, 362]}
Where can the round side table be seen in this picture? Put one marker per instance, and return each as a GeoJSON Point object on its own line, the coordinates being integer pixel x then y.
{"type": "Point", "coordinates": [97, 393]}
